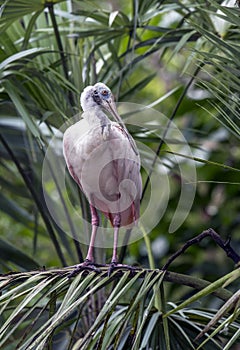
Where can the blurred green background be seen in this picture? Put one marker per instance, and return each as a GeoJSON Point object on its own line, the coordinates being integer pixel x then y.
{"type": "Point", "coordinates": [182, 59]}
{"type": "Point", "coordinates": [185, 54]}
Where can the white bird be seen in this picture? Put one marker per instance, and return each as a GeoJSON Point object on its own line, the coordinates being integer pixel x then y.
{"type": "Point", "coordinates": [102, 158]}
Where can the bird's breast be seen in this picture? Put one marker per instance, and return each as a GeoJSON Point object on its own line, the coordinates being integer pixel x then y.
{"type": "Point", "coordinates": [83, 142]}
{"type": "Point", "coordinates": [103, 163]}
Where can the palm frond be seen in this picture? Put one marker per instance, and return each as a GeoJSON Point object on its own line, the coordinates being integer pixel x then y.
{"type": "Point", "coordinates": [124, 315]}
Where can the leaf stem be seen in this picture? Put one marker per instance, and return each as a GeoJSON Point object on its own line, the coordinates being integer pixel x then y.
{"type": "Point", "coordinates": [37, 200]}
{"type": "Point", "coordinates": [216, 237]}
{"type": "Point", "coordinates": [174, 112]}
{"type": "Point", "coordinates": [173, 277]}
{"type": "Point", "coordinates": [157, 300]}
{"type": "Point", "coordinates": [149, 250]}
{"type": "Point", "coordinates": [50, 7]}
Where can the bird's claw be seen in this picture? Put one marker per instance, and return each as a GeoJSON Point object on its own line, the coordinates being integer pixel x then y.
{"type": "Point", "coordinates": [86, 265]}
{"type": "Point", "coordinates": [111, 268]}
{"type": "Point", "coordinates": [115, 266]}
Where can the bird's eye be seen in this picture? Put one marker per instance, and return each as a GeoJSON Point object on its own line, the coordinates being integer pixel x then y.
{"type": "Point", "coordinates": [104, 92]}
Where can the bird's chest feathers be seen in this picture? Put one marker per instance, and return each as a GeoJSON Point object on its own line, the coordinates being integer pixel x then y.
{"type": "Point", "coordinates": [101, 139]}
{"type": "Point", "coordinates": [100, 149]}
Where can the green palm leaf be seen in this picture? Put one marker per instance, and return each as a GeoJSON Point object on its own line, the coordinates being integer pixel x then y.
{"type": "Point", "coordinates": [181, 58]}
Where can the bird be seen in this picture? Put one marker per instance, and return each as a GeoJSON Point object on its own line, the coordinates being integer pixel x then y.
{"type": "Point", "coordinates": [103, 159]}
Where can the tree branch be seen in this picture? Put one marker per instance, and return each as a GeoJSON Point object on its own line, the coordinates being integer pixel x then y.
{"type": "Point", "coordinates": [50, 6]}
{"type": "Point", "coordinates": [174, 112]}
{"type": "Point", "coordinates": [225, 245]}
{"type": "Point", "coordinates": [173, 277]}
{"type": "Point", "coordinates": [36, 199]}
{"type": "Point", "coordinates": [181, 279]}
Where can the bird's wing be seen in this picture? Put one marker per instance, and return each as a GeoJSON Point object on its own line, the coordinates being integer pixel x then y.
{"type": "Point", "coordinates": [105, 166]}
{"type": "Point", "coordinates": [82, 151]}
{"type": "Point", "coordinates": [120, 179]}
{"type": "Point", "coordinates": [72, 151]}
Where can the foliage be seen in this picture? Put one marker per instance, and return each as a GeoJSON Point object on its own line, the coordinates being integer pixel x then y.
{"type": "Point", "coordinates": [178, 57]}
{"type": "Point", "coordinates": [50, 308]}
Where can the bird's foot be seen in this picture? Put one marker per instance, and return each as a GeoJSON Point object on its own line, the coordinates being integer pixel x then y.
{"type": "Point", "coordinates": [86, 265]}
{"type": "Point", "coordinates": [115, 266]}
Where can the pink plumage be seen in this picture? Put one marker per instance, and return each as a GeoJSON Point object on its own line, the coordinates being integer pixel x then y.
{"type": "Point", "coordinates": [102, 158]}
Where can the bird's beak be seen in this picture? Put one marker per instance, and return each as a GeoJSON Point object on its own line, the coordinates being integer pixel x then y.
{"type": "Point", "coordinates": [111, 107]}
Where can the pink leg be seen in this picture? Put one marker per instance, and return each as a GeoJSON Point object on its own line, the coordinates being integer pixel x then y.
{"type": "Point", "coordinates": [116, 225]}
{"type": "Point", "coordinates": [89, 261]}
{"type": "Point", "coordinates": [114, 255]}
{"type": "Point", "coordinates": [90, 256]}
{"type": "Point", "coordinates": [95, 224]}
{"type": "Point", "coordinates": [114, 262]}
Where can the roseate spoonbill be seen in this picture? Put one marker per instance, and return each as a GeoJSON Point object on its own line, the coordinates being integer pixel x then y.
{"type": "Point", "coordinates": [104, 161]}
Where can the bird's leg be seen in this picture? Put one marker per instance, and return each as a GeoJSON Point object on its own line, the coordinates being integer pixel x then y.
{"type": "Point", "coordinates": [95, 224]}
{"type": "Point", "coordinates": [90, 257]}
{"type": "Point", "coordinates": [89, 261]}
{"type": "Point", "coordinates": [114, 262]}
{"type": "Point", "coordinates": [116, 225]}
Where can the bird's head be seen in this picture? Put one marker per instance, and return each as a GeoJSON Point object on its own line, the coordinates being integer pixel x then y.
{"type": "Point", "coordinates": [102, 95]}
{"type": "Point", "coordinates": [96, 95]}
{"type": "Point", "coordinates": [99, 95]}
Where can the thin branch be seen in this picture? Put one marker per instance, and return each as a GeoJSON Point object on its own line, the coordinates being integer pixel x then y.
{"type": "Point", "coordinates": [73, 232]}
{"type": "Point", "coordinates": [195, 283]}
{"type": "Point", "coordinates": [127, 235]}
{"type": "Point", "coordinates": [225, 245]}
{"type": "Point", "coordinates": [174, 112]}
{"type": "Point", "coordinates": [173, 277]}
{"type": "Point", "coordinates": [50, 6]}
{"type": "Point", "coordinates": [36, 199]}
{"type": "Point", "coordinates": [125, 245]}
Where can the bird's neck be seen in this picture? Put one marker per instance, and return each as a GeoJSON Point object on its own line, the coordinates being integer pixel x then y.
{"type": "Point", "coordinates": [95, 116]}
